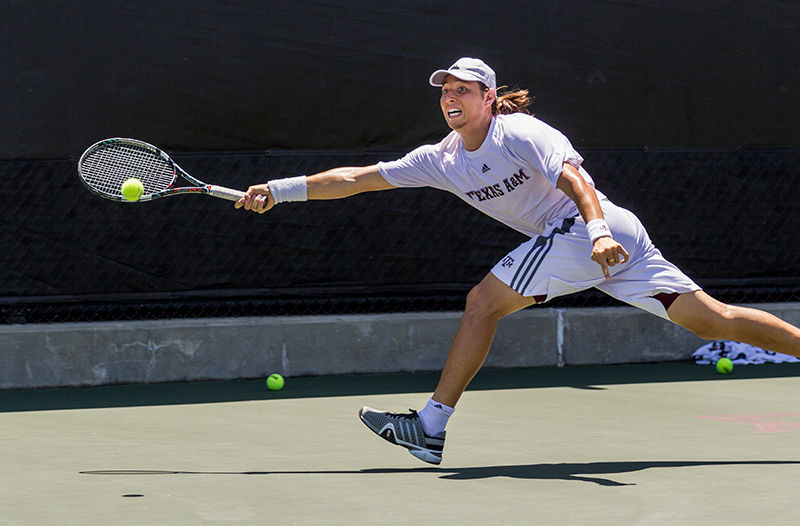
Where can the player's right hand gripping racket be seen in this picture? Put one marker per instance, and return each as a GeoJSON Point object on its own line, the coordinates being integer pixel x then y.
{"type": "Point", "coordinates": [107, 164]}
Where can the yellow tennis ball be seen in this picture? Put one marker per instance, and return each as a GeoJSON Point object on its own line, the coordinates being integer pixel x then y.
{"type": "Point", "coordinates": [275, 382]}
{"type": "Point", "coordinates": [132, 189]}
{"type": "Point", "coordinates": [724, 366]}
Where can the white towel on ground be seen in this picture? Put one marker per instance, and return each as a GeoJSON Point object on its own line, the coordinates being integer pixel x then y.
{"type": "Point", "coordinates": [739, 353]}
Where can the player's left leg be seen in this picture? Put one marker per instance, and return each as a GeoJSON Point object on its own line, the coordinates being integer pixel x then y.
{"type": "Point", "coordinates": [711, 319]}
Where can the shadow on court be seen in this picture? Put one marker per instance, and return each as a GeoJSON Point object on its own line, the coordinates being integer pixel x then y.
{"type": "Point", "coordinates": [574, 472]}
{"type": "Point", "coordinates": [577, 377]}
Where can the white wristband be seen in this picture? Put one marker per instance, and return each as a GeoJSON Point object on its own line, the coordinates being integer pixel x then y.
{"type": "Point", "coordinates": [289, 189]}
{"type": "Point", "coordinates": [597, 228]}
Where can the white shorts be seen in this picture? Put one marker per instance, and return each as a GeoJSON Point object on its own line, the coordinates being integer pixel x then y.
{"type": "Point", "coordinates": [557, 262]}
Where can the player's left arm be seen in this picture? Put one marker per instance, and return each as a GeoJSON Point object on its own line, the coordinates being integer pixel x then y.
{"type": "Point", "coordinates": [606, 251]}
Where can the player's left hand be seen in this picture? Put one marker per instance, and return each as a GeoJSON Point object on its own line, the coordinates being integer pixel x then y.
{"type": "Point", "coordinates": [607, 253]}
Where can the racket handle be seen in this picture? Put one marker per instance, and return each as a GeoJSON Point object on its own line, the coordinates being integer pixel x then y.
{"type": "Point", "coordinates": [225, 193]}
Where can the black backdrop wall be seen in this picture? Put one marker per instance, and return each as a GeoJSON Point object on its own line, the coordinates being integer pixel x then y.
{"type": "Point", "coordinates": [351, 74]}
{"type": "Point", "coordinates": [687, 112]}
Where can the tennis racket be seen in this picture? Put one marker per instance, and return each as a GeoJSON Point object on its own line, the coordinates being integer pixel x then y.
{"type": "Point", "coordinates": [107, 164]}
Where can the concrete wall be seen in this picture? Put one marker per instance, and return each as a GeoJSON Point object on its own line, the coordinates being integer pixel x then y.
{"type": "Point", "coordinates": [69, 354]}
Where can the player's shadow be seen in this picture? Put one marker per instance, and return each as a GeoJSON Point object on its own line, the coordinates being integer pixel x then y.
{"type": "Point", "coordinates": [581, 472]}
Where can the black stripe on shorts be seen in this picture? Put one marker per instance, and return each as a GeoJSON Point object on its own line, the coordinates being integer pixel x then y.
{"type": "Point", "coordinates": [535, 256]}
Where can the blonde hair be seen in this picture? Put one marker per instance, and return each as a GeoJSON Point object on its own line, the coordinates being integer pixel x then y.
{"type": "Point", "coordinates": [507, 102]}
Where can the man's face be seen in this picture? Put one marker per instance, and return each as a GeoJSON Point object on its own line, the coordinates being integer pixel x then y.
{"type": "Point", "coordinates": [464, 102]}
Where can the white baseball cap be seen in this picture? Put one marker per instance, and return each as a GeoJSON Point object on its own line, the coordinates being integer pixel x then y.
{"type": "Point", "coordinates": [466, 68]}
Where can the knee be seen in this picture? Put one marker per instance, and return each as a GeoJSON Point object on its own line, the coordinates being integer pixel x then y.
{"type": "Point", "coordinates": [481, 303]}
{"type": "Point", "coordinates": [491, 300]}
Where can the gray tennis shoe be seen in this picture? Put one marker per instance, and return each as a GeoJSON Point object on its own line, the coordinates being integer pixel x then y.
{"type": "Point", "coordinates": [404, 429]}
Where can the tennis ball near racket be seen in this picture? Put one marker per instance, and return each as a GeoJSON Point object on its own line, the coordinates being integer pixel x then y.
{"type": "Point", "coordinates": [275, 382]}
{"type": "Point", "coordinates": [132, 189]}
{"type": "Point", "coordinates": [724, 366]}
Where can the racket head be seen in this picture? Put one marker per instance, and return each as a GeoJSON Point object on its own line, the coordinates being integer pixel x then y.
{"type": "Point", "coordinates": [107, 164]}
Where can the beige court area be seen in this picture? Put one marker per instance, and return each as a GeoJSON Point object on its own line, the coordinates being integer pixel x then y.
{"type": "Point", "coordinates": [617, 445]}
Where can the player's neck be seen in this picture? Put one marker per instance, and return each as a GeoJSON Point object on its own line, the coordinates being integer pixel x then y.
{"type": "Point", "coordinates": [473, 136]}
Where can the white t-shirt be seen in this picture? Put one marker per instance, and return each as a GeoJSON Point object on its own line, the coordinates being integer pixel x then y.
{"type": "Point", "coordinates": [511, 177]}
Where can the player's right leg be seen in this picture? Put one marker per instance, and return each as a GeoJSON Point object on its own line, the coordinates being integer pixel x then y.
{"type": "Point", "coordinates": [554, 263]}
{"type": "Point", "coordinates": [487, 303]}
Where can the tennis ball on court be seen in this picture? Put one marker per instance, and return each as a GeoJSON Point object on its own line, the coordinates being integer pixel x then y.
{"type": "Point", "coordinates": [275, 382]}
{"type": "Point", "coordinates": [132, 189]}
{"type": "Point", "coordinates": [724, 366]}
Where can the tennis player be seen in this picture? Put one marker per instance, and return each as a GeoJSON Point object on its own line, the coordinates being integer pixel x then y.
{"type": "Point", "coordinates": [526, 174]}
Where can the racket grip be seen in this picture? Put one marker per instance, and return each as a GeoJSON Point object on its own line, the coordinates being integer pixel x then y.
{"type": "Point", "coordinates": [225, 193]}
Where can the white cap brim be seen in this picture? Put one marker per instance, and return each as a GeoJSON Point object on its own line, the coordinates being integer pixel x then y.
{"type": "Point", "coordinates": [437, 79]}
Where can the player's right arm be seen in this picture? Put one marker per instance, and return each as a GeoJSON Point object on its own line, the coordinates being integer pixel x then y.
{"type": "Point", "coordinates": [344, 182]}
{"type": "Point", "coordinates": [331, 184]}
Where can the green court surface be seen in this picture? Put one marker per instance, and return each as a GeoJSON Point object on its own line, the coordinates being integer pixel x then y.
{"type": "Point", "coordinates": [632, 444]}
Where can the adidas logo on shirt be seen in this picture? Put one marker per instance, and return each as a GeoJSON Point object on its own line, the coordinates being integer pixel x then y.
{"type": "Point", "coordinates": [485, 169]}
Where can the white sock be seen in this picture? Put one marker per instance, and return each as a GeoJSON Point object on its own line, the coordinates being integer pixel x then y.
{"type": "Point", "coordinates": [434, 417]}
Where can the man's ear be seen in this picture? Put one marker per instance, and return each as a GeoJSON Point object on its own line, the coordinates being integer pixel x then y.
{"type": "Point", "coordinates": [491, 96]}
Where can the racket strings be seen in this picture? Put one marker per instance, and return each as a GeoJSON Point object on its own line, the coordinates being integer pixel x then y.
{"type": "Point", "coordinates": [106, 168]}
